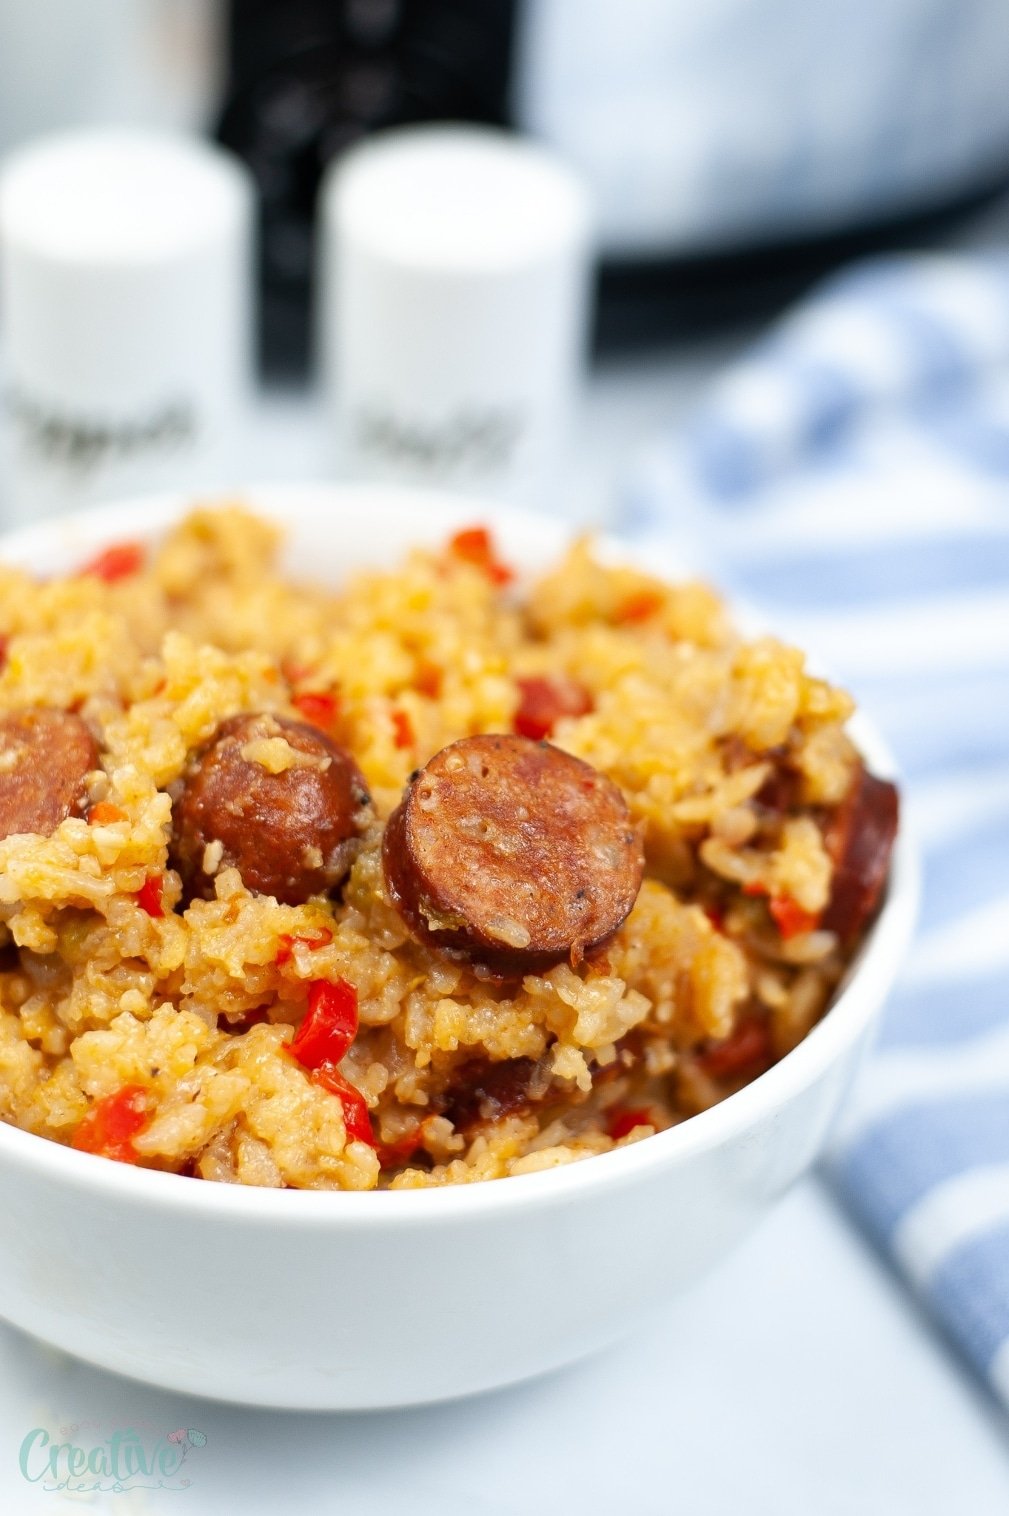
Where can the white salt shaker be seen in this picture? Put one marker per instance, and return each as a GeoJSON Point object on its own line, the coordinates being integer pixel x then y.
{"type": "Point", "coordinates": [454, 309]}
{"type": "Point", "coordinates": [126, 316]}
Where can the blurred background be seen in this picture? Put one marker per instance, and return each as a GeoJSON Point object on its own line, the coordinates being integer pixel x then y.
{"type": "Point", "coordinates": [733, 150]}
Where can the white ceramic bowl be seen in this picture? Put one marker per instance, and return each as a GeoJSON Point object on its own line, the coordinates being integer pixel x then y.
{"type": "Point", "coordinates": [353, 1301]}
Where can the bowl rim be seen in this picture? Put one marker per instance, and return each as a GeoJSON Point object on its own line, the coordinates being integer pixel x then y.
{"type": "Point", "coordinates": [840, 1028]}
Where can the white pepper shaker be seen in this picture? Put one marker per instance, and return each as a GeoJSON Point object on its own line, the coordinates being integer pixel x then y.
{"type": "Point", "coordinates": [454, 309]}
{"type": "Point", "coordinates": [126, 316]}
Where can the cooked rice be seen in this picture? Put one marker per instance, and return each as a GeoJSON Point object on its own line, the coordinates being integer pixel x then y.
{"type": "Point", "coordinates": [691, 721]}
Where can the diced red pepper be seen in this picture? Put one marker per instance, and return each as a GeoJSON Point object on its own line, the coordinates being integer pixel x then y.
{"type": "Point", "coordinates": [116, 562]}
{"type": "Point", "coordinates": [475, 545]}
{"type": "Point", "coordinates": [392, 1154]}
{"type": "Point", "coordinates": [355, 1108]}
{"type": "Point", "coordinates": [638, 607]}
{"type": "Point", "coordinates": [748, 1045]}
{"type": "Point", "coordinates": [149, 895]}
{"type": "Point", "coordinates": [428, 679]}
{"type": "Point", "coordinates": [790, 918]}
{"type": "Point", "coordinates": [330, 1024]}
{"type": "Point", "coordinates": [112, 1122]}
{"type": "Point", "coordinates": [293, 672]}
{"type": "Point", "coordinates": [4, 644]}
{"type": "Point", "coordinates": [544, 700]}
{"type": "Point", "coordinates": [104, 814]}
{"type": "Point", "coordinates": [716, 916]}
{"type": "Point", "coordinates": [319, 707]}
{"type": "Point", "coordinates": [402, 726]}
{"type": "Point", "coordinates": [622, 1123]}
{"type": "Point", "coordinates": [287, 940]}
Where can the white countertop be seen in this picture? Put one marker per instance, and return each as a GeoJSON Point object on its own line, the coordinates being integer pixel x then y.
{"type": "Point", "coordinates": [798, 1380]}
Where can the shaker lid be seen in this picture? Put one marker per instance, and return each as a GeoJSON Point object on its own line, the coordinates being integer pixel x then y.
{"type": "Point", "coordinates": [120, 196]}
{"type": "Point", "coordinates": [456, 198]}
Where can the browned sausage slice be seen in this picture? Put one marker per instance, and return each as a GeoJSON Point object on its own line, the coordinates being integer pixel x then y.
{"type": "Point", "coordinates": [512, 854]}
{"type": "Point", "coordinates": [45, 758]}
{"type": "Point", "coordinates": [486, 1091]}
{"type": "Point", "coordinates": [290, 833]}
{"type": "Point", "coordinates": [860, 840]}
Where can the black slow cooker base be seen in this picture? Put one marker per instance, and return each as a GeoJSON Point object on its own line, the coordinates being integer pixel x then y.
{"type": "Point", "coordinates": [645, 303]}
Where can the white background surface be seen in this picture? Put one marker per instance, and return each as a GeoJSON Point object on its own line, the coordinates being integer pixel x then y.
{"type": "Point", "coordinates": [798, 1380]}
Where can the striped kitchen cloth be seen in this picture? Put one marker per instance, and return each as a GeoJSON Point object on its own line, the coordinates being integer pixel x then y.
{"type": "Point", "coordinates": [850, 477]}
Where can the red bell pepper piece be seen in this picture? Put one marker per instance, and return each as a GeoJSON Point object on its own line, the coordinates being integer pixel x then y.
{"type": "Point", "coordinates": [402, 726]}
{"type": "Point", "coordinates": [622, 1123]}
{"type": "Point", "coordinates": [149, 895]}
{"type": "Point", "coordinates": [428, 679]}
{"type": "Point", "coordinates": [790, 918]}
{"type": "Point", "coordinates": [475, 545]}
{"type": "Point", "coordinates": [330, 1024]}
{"type": "Point", "coordinates": [111, 1122]}
{"type": "Point", "coordinates": [544, 700]}
{"type": "Point", "coordinates": [287, 940]}
{"type": "Point", "coordinates": [637, 608]}
{"type": "Point", "coordinates": [104, 814]}
{"type": "Point", "coordinates": [116, 562]}
{"type": "Point", "coordinates": [392, 1154]}
{"type": "Point", "coordinates": [319, 707]}
{"type": "Point", "coordinates": [355, 1108]}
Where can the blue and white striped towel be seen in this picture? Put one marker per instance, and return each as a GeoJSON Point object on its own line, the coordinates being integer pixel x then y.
{"type": "Point", "coordinates": [851, 476]}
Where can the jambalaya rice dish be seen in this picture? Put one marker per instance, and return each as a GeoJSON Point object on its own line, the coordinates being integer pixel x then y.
{"type": "Point", "coordinates": [427, 879]}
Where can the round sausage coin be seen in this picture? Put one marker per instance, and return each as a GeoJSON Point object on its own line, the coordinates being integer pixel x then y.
{"type": "Point", "coordinates": [275, 799]}
{"type": "Point", "coordinates": [512, 854]}
{"type": "Point", "coordinates": [860, 841]}
{"type": "Point", "coordinates": [45, 758]}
